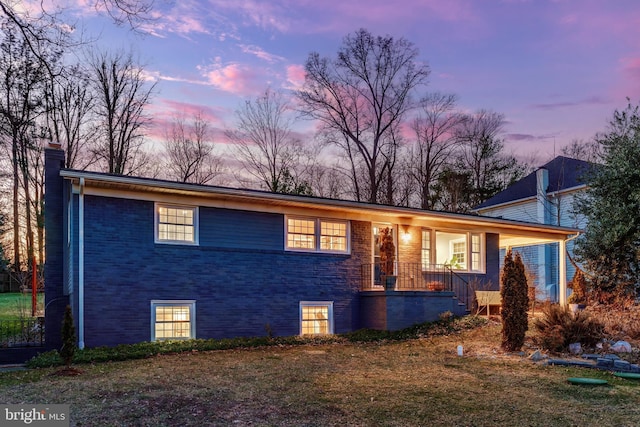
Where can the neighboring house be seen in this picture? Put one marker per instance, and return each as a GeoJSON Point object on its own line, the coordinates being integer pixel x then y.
{"type": "Point", "coordinates": [142, 259]}
{"type": "Point", "coordinates": [546, 196]}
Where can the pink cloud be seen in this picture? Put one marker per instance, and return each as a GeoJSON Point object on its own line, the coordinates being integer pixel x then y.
{"type": "Point", "coordinates": [211, 114]}
{"type": "Point", "coordinates": [295, 76]}
{"type": "Point", "coordinates": [260, 53]}
{"type": "Point", "coordinates": [166, 110]}
{"type": "Point", "coordinates": [381, 16]}
{"type": "Point", "coordinates": [235, 78]}
{"type": "Point", "coordinates": [628, 84]}
{"type": "Point", "coordinates": [594, 25]}
{"type": "Point", "coordinates": [265, 15]}
{"type": "Point", "coordinates": [176, 23]}
{"type": "Point", "coordinates": [592, 100]}
{"type": "Point", "coordinates": [631, 67]}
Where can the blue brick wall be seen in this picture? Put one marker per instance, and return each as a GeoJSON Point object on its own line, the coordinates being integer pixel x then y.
{"type": "Point", "coordinates": [492, 275]}
{"type": "Point", "coordinates": [239, 275]}
{"type": "Point", "coordinates": [55, 300]}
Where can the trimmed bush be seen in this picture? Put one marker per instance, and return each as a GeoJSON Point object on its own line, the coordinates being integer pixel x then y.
{"type": "Point", "coordinates": [579, 287]}
{"type": "Point", "coordinates": [68, 338]}
{"type": "Point", "coordinates": [515, 302]}
{"type": "Point", "coordinates": [149, 349]}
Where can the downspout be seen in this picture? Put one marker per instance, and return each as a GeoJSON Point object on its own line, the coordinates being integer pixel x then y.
{"type": "Point", "coordinates": [562, 267]}
{"type": "Point", "coordinates": [81, 266]}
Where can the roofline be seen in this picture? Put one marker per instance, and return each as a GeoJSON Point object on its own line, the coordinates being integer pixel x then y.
{"type": "Point", "coordinates": [529, 198]}
{"type": "Point", "coordinates": [258, 195]}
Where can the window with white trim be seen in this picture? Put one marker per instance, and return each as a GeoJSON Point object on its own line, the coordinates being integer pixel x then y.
{"type": "Point", "coordinates": [301, 234]}
{"type": "Point", "coordinates": [176, 224]}
{"type": "Point", "coordinates": [457, 250]}
{"type": "Point", "coordinates": [333, 236]}
{"type": "Point", "coordinates": [476, 252]}
{"type": "Point", "coordinates": [173, 320]}
{"type": "Point", "coordinates": [316, 317]}
{"type": "Point", "coordinates": [426, 249]}
{"type": "Point", "coordinates": [317, 235]}
{"type": "Point", "coordinates": [458, 254]}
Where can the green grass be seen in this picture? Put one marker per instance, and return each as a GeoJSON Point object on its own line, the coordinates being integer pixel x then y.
{"type": "Point", "coordinates": [14, 306]}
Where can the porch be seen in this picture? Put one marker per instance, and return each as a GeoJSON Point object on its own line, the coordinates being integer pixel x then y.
{"type": "Point", "coordinates": [414, 295]}
{"type": "Point", "coordinates": [414, 277]}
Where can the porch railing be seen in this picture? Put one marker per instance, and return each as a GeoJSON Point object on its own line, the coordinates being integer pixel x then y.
{"type": "Point", "coordinates": [28, 332]}
{"type": "Point", "coordinates": [412, 277]}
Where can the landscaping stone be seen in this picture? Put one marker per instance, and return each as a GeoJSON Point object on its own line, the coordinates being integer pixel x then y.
{"type": "Point", "coordinates": [621, 365]}
{"type": "Point", "coordinates": [562, 362]}
{"type": "Point", "coordinates": [575, 348]}
{"type": "Point", "coordinates": [604, 363]}
{"type": "Point", "coordinates": [536, 356]}
{"type": "Point", "coordinates": [621, 347]}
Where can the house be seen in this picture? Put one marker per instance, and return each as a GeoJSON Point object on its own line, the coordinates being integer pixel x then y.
{"type": "Point", "coordinates": [546, 196]}
{"type": "Point", "coordinates": [143, 259]}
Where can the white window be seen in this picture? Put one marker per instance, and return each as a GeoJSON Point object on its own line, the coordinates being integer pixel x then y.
{"type": "Point", "coordinates": [176, 224]}
{"type": "Point", "coordinates": [333, 236]}
{"type": "Point", "coordinates": [426, 249]}
{"type": "Point", "coordinates": [317, 235]}
{"type": "Point", "coordinates": [316, 318]}
{"type": "Point", "coordinates": [301, 234]}
{"type": "Point", "coordinates": [173, 320]}
{"type": "Point", "coordinates": [456, 250]}
{"type": "Point", "coordinates": [476, 252]}
{"type": "Point", "coordinates": [458, 254]}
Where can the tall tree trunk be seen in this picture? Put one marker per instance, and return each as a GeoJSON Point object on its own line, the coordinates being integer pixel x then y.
{"type": "Point", "coordinates": [26, 183]}
{"type": "Point", "coordinates": [16, 204]}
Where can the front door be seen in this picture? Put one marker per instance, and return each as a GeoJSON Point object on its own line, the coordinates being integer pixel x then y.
{"type": "Point", "coordinates": [376, 239]}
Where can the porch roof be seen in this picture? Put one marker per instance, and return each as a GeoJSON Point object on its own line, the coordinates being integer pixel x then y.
{"type": "Point", "coordinates": [512, 233]}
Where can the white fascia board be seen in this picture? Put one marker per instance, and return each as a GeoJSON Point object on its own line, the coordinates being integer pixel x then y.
{"type": "Point", "coordinates": [150, 189]}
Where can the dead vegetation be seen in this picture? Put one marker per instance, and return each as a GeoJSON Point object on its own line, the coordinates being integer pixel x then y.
{"type": "Point", "coordinates": [404, 383]}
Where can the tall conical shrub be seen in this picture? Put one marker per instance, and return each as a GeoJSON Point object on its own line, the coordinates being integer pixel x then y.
{"type": "Point", "coordinates": [68, 349]}
{"type": "Point", "coordinates": [515, 302]}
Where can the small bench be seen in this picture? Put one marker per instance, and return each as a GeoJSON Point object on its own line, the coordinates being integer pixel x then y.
{"type": "Point", "coordinates": [488, 299]}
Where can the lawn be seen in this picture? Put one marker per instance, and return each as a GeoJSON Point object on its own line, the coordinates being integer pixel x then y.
{"type": "Point", "coordinates": [15, 305]}
{"type": "Point", "coordinates": [406, 383]}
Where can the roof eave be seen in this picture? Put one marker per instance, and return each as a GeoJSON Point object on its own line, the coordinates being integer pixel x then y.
{"type": "Point", "coordinates": [136, 184]}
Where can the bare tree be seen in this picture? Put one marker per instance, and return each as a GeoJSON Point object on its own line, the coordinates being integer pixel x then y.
{"type": "Point", "coordinates": [435, 131]}
{"type": "Point", "coordinates": [21, 103]}
{"type": "Point", "coordinates": [265, 144]}
{"type": "Point", "coordinates": [390, 182]}
{"type": "Point", "coordinates": [589, 151]}
{"type": "Point", "coordinates": [70, 120]}
{"type": "Point", "coordinates": [122, 93]}
{"type": "Point", "coordinates": [454, 190]}
{"type": "Point", "coordinates": [326, 181]}
{"type": "Point", "coordinates": [361, 95]}
{"type": "Point", "coordinates": [189, 150]}
{"type": "Point", "coordinates": [482, 155]}
{"type": "Point", "coordinates": [132, 12]}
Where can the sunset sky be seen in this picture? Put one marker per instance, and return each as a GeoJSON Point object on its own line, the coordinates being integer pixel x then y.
{"type": "Point", "coordinates": [556, 69]}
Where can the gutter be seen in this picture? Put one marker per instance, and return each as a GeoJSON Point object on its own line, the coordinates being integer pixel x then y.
{"type": "Point", "coordinates": [81, 266]}
{"type": "Point", "coordinates": [256, 197]}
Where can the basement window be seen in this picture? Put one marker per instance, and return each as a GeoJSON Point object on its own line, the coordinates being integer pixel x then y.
{"type": "Point", "coordinates": [316, 318]}
{"type": "Point", "coordinates": [173, 320]}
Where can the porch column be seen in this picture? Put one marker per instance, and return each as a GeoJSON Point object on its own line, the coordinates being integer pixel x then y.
{"type": "Point", "coordinates": [562, 273]}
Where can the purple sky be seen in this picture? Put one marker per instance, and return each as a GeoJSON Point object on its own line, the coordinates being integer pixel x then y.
{"type": "Point", "coordinates": [556, 69]}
